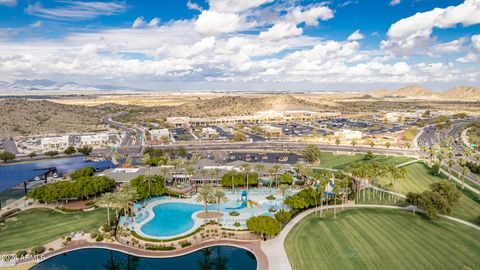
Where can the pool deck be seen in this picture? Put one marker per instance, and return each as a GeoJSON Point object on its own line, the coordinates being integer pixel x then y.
{"type": "Point", "coordinates": [252, 246]}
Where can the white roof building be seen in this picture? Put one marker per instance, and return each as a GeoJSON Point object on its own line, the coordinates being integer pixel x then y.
{"type": "Point", "coordinates": [98, 139]}
{"type": "Point", "coordinates": [348, 135]}
{"type": "Point", "coordinates": [162, 134]}
{"type": "Point", "coordinates": [54, 143]}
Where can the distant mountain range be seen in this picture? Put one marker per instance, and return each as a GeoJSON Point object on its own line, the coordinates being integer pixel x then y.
{"type": "Point", "coordinates": [467, 93]}
{"type": "Point", "coordinates": [45, 85]}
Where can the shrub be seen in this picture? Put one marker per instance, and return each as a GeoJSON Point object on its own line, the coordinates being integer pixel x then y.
{"type": "Point", "coordinates": [272, 210]}
{"type": "Point", "coordinates": [270, 197]}
{"type": "Point", "coordinates": [37, 250]}
{"type": "Point", "coordinates": [93, 235]}
{"type": "Point", "coordinates": [161, 247]}
{"type": "Point", "coordinates": [21, 253]}
{"type": "Point", "coordinates": [185, 244]}
{"type": "Point", "coordinates": [106, 227]}
{"type": "Point", "coordinates": [234, 213]}
{"type": "Point", "coordinates": [99, 238]}
{"type": "Point", "coordinates": [236, 224]}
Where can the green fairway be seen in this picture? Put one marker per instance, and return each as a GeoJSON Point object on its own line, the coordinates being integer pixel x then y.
{"type": "Point", "coordinates": [330, 160]}
{"type": "Point", "coordinates": [40, 226]}
{"type": "Point", "coordinates": [381, 239]}
{"type": "Point", "coordinates": [419, 179]}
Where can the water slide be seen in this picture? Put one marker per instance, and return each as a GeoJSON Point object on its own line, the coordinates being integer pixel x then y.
{"type": "Point", "coordinates": [243, 205]}
{"type": "Point", "coordinates": [256, 204]}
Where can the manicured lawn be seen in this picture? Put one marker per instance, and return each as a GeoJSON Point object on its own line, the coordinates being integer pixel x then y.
{"type": "Point", "coordinates": [419, 179]}
{"type": "Point", "coordinates": [39, 226]}
{"type": "Point", "coordinates": [381, 239]}
{"type": "Point", "coordinates": [330, 160]}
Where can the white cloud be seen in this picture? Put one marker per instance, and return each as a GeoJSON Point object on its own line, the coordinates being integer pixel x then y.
{"type": "Point", "coordinates": [141, 23]}
{"type": "Point", "coordinates": [469, 58]}
{"type": "Point", "coordinates": [356, 36]}
{"type": "Point", "coordinates": [476, 41]}
{"type": "Point", "coordinates": [310, 15]}
{"type": "Point", "coordinates": [394, 2]}
{"type": "Point", "coordinates": [449, 47]}
{"type": "Point", "coordinates": [281, 30]}
{"type": "Point", "coordinates": [8, 3]}
{"type": "Point", "coordinates": [234, 6]}
{"type": "Point", "coordinates": [194, 6]}
{"type": "Point", "coordinates": [413, 33]}
{"type": "Point", "coordinates": [77, 10]}
{"type": "Point", "coordinates": [36, 24]}
{"type": "Point", "coordinates": [212, 22]}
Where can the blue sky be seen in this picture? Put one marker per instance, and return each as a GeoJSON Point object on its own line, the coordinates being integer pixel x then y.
{"type": "Point", "coordinates": [243, 44]}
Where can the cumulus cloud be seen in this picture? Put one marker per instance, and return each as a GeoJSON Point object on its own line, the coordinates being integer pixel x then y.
{"type": "Point", "coordinates": [140, 22]}
{"type": "Point", "coordinates": [476, 41]}
{"type": "Point", "coordinates": [469, 58]}
{"type": "Point", "coordinates": [234, 6]}
{"type": "Point", "coordinates": [309, 15]}
{"type": "Point", "coordinates": [281, 30]}
{"type": "Point", "coordinates": [212, 22]}
{"type": "Point", "coordinates": [413, 33]}
{"type": "Point", "coordinates": [194, 6]}
{"type": "Point", "coordinates": [356, 36]}
{"type": "Point", "coordinates": [76, 10]}
{"type": "Point", "coordinates": [449, 47]}
{"type": "Point", "coordinates": [8, 3]}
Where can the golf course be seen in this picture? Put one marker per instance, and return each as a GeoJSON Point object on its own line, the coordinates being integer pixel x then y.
{"type": "Point", "coordinates": [381, 239]}
{"type": "Point", "coordinates": [36, 227]}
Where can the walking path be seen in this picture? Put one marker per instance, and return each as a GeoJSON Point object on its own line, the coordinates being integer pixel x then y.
{"type": "Point", "coordinates": [275, 250]}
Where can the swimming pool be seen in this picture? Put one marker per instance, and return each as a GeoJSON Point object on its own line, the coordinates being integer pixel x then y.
{"type": "Point", "coordinates": [171, 219]}
{"type": "Point", "coordinates": [219, 257]}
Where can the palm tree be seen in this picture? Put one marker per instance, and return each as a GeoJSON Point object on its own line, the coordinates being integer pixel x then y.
{"type": "Point", "coordinates": [125, 197]}
{"type": "Point", "coordinates": [388, 144]}
{"type": "Point", "coordinates": [372, 143]}
{"type": "Point", "coordinates": [282, 190]}
{"type": "Point", "coordinates": [204, 193]}
{"type": "Point", "coordinates": [107, 200]}
{"type": "Point", "coordinates": [165, 170]}
{"type": "Point", "coordinates": [219, 196]}
{"type": "Point", "coordinates": [246, 168]}
{"type": "Point", "coordinates": [450, 164]}
{"type": "Point", "coordinates": [149, 179]}
{"type": "Point", "coordinates": [271, 172]}
{"type": "Point", "coordinates": [354, 142]}
{"type": "Point", "coordinates": [259, 167]}
{"type": "Point", "coordinates": [337, 141]}
{"type": "Point", "coordinates": [276, 168]}
{"type": "Point", "coordinates": [464, 171]}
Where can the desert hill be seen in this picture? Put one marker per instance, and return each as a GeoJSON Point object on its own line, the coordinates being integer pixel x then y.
{"type": "Point", "coordinates": [468, 93]}
{"type": "Point", "coordinates": [26, 117]}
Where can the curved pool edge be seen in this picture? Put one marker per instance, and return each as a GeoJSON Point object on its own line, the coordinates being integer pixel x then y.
{"type": "Point", "coordinates": [252, 246]}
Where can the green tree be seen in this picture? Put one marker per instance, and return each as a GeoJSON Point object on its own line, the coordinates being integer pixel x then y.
{"type": "Point", "coordinates": [51, 153]}
{"type": "Point", "coordinates": [283, 190]}
{"type": "Point", "coordinates": [150, 185]}
{"type": "Point", "coordinates": [219, 196]}
{"type": "Point", "coordinates": [204, 193]}
{"type": "Point", "coordinates": [107, 200]}
{"type": "Point", "coordinates": [70, 150]}
{"type": "Point", "coordinates": [283, 216]}
{"type": "Point", "coordinates": [125, 197]}
{"type": "Point", "coordinates": [311, 153]}
{"type": "Point", "coordinates": [337, 141]}
{"type": "Point", "coordinates": [82, 172]}
{"type": "Point", "coordinates": [6, 156]}
{"type": "Point", "coordinates": [265, 225]}
{"type": "Point", "coordinates": [86, 150]}
{"type": "Point", "coordinates": [239, 137]}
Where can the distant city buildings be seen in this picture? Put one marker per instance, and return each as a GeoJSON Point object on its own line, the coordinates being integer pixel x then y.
{"type": "Point", "coordinates": [260, 117]}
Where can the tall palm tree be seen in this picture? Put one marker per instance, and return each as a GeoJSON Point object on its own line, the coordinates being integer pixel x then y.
{"type": "Point", "coordinates": [165, 170]}
{"type": "Point", "coordinates": [125, 197]}
{"type": "Point", "coordinates": [354, 142]}
{"type": "Point", "coordinates": [259, 168]}
{"type": "Point", "coordinates": [246, 169]}
{"type": "Point", "coordinates": [388, 144]}
{"type": "Point", "coordinates": [464, 171]}
{"type": "Point", "coordinates": [219, 196]}
{"type": "Point", "coordinates": [337, 141]}
{"type": "Point", "coordinates": [271, 172]}
{"type": "Point", "coordinates": [283, 190]}
{"type": "Point", "coordinates": [450, 164]}
{"type": "Point", "coordinates": [372, 143]}
{"type": "Point", "coordinates": [276, 168]}
{"type": "Point", "coordinates": [149, 179]}
{"type": "Point", "coordinates": [204, 193]}
{"type": "Point", "coordinates": [107, 200]}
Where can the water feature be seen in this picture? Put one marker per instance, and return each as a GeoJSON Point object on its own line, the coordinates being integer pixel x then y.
{"type": "Point", "coordinates": [219, 257]}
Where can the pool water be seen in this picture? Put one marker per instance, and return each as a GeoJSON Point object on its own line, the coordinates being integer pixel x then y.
{"type": "Point", "coordinates": [219, 257]}
{"type": "Point", "coordinates": [171, 219]}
